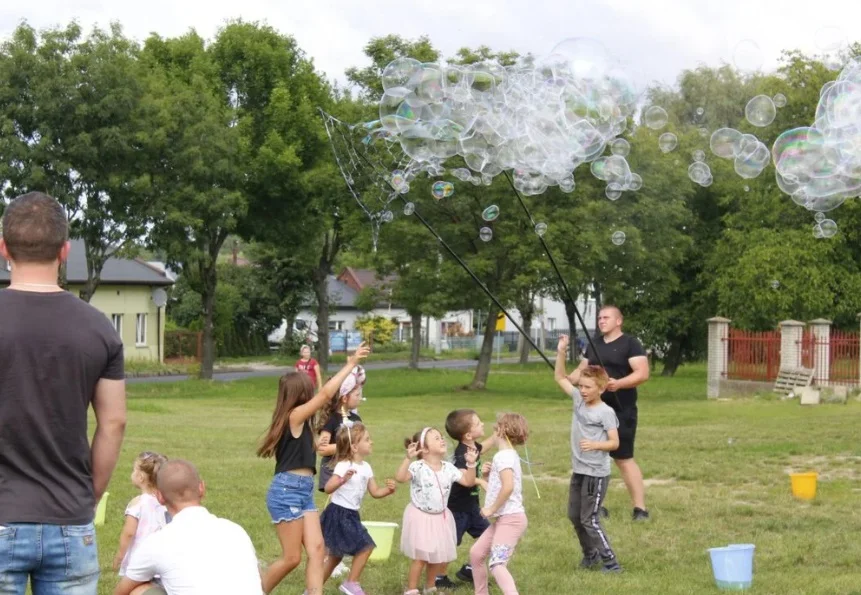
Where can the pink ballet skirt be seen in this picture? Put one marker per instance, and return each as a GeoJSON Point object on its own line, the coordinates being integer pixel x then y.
{"type": "Point", "coordinates": [429, 537]}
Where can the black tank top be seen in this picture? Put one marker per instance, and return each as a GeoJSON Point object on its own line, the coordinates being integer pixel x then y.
{"type": "Point", "coordinates": [296, 453]}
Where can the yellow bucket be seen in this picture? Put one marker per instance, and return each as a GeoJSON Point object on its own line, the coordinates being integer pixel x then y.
{"type": "Point", "coordinates": [101, 510]}
{"type": "Point", "coordinates": [803, 485]}
{"type": "Point", "coordinates": [383, 535]}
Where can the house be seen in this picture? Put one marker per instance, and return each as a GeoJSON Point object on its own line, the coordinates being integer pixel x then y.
{"type": "Point", "coordinates": [343, 291]}
{"type": "Point", "coordinates": [127, 295]}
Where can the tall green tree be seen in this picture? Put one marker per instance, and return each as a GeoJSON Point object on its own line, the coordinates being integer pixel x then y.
{"type": "Point", "coordinates": [73, 112]}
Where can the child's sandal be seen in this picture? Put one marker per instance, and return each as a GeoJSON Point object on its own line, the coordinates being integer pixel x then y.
{"type": "Point", "coordinates": [412, 592]}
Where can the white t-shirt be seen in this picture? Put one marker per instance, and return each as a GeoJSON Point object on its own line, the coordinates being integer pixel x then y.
{"type": "Point", "coordinates": [198, 553]}
{"type": "Point", "coordinates": [429, 489]}
{"type": "Point", "coordinates": [505, 459]}
{"type": "Point", "coordinates": [151, 517]}
{"type": "Point", "coordinates": [351, 493]}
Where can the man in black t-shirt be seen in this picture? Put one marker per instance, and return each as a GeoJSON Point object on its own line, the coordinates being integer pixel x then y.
{"type": "Point", "coordinates": [58, 356]}
{"type": "Point", "coordinates": [625, 361]}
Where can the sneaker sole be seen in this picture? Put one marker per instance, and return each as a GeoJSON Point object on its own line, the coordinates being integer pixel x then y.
{"type": "Point", "coordinates": [343, 590]}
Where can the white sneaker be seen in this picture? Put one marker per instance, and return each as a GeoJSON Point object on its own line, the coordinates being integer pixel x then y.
{"type": "Point", "coordinates": [340, 569]}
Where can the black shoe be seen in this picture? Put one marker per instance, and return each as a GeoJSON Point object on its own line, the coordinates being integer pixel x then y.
{"type": "Point", "coordinates": [465, 573]}
{"type": "Point", "coordinates": [590, 563]}
{"type": "Point", "coordinates": [605, 513]}
{"type": "Point", "coordinates": [611, 567]}
{"type": "Point", "coordinates": [443, 582]}
{"type": "Point", "coordinates": [640, 515]}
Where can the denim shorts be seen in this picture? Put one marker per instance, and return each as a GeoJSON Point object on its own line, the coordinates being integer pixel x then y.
{"type": "Point", "coordinates": [290, 496]}
{"type": "Point", "coordinates": [56, 559]}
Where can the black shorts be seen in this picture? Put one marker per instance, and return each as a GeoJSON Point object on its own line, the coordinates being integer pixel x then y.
{"type": "Point", "coordinates": [627, 433]}
{"type": "Point", "coordinates": [470, 522]}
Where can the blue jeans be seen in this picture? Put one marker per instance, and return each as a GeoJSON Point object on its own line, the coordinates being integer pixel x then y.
{"type": "Point", "coordinates": [290, 496]}
{"type": "Point", "coordinates": [58, 559]}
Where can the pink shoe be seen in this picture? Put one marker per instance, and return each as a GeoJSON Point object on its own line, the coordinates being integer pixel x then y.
{"type": "Point", "coordinates": [351, 588]}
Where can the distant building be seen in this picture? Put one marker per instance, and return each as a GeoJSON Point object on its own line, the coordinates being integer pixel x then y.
{"type": "Point", "coordinates": [125, 295]}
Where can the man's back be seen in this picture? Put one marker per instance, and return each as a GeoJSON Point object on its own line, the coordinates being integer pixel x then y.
{"type": "Point", "coordinates": [199, 554]}
{"type": "Point", "coordinates": [54, 348]}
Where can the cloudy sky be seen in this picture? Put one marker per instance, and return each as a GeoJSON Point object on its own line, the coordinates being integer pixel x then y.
{"type": "Point", "coordinates": [655, 38]}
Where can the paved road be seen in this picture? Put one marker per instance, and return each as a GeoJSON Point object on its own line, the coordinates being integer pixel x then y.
{"type": "Point", "coordinates": [456, 364]}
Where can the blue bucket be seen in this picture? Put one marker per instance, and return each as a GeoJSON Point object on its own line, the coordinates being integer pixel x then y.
{"type": "Point", "coordinates": [733, 566]}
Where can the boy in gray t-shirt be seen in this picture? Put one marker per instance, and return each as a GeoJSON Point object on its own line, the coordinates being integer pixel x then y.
{"type": "Point", "coordinates": [594, 435]}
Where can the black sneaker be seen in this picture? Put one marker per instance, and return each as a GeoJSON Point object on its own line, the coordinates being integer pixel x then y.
{"type": "Point", "coordinates": [465, 573]}
{"type": "Point", "coordinates": [640, 515]}
{"type": "Point", "coordinates": [443, 582]}
{"type": "Point", "coordinates": [611, 567]}
{"type": "Point", "coordinates": [590, 563]}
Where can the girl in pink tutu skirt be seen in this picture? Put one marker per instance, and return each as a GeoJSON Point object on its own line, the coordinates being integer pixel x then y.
{"type": "Point", "coordinates": [429, 537]}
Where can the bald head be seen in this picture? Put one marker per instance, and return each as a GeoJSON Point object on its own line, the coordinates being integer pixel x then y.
{"type": "Point", "coordinates": [610, 321]}
{"type": "Point", "coordinates": [612, 311]}
{"type": "Point", "coordinates": [179, 483]}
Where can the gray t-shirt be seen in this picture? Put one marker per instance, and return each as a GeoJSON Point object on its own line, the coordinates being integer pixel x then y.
{"type": "Point", "coordinates": [54, 349]}
{"type": "Point", "coordinates": [590, 423]}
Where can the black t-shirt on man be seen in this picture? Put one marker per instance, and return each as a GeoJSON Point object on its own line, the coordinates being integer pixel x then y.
{"type": "Point", "coordinates": [54, 349]}
{"type": "Point", "coordinates": [615, 356]}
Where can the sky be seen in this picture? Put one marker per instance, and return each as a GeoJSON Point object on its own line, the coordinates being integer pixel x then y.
{"type": "Point", "coordinates": [654, 39]}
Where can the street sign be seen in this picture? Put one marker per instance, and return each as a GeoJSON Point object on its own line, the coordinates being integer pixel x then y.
{"type": "Point", "coordinates": [500, 322]}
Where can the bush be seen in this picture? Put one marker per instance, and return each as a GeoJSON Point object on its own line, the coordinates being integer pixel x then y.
{"type": "Point", "coordinates": [377, 329]}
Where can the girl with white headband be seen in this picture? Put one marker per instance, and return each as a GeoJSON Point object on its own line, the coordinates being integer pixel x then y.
{"type": "Point", "coordinates": [429, 536]}
{"type": "Point", "coordinates": [338, 413]}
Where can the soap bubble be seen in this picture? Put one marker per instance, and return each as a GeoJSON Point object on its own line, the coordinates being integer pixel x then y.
{"type": "Point", "coordinates": [387, 217]}
{"type": "Point", "coordinates": [779, 100]}
{"type": "Point", "coordinates": [820, 217]}
{"type": "Point", "coordinates": [409, 209]}
{"type": "Point", "coordinates": [441, 189]}
{"type": "Point", "coordinates": [699, 155]}
{"type": "Point", "coordinates": [828, 227]}
{"type": "Point", "coordinates": [726, 142]}
{"type": "Point", "coordinates": [490, 213]}
{"type": "Point", "coordinates": [620, 147]}
{"type": "Point", "coordinates": [760, 111]}
{"type": "Point", "coordinates": [830, 38]}
{"type": "Point", "coordinates": [775, 284]}
{"type": "Point", "coordinates": [540, 229]}
{"type": "Point", "coordinates": [656, 117]}
{"type": "Point", "coordinates": [613, 191]}
{"type": "Point", "coordinates": [747, 55]}
{"type": "Point", "coordinates": [667, 142]}
{"type": "Point", "coordinates": [618, 238]}
{"type": "Point", "coordinates": [486, 234]}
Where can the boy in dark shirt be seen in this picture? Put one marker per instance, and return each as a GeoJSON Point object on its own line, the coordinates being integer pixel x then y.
{"type": "Point", "coordinates": [465, 426]}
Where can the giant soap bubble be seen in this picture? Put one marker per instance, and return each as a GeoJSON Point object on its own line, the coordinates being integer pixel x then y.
{"type": "Point", "coordinates": [540, 119]}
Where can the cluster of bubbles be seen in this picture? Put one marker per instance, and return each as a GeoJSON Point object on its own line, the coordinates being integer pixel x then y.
{"type": "Point", "coordinates": [819, 166]}
{"type": "Point", "coordinates": [540, 119]}
{"type": "Point", "coordinates": [750, 155]}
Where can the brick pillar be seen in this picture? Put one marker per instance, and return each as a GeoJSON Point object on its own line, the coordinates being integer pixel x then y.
{"type": "Point", "coordinates": [718, 354]}
{"type": "Point", "coordinates": [791, 332]}
{"type": "Point", "coordinates": [822, 350]}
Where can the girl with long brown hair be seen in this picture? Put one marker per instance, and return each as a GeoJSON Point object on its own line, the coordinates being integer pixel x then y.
{"type": "Point", "coordinates": [290, 499]}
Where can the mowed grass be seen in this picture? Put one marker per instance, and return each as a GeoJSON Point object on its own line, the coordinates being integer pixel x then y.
{"type": "Point", "coordinates": [717, 473]}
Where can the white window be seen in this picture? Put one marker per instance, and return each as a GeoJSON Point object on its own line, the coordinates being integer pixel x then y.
{"type": "Point", "coordinates": [117, 320]}
{"type": "Point", "coordinates": [336, 325]}
{"type": "Point", "coordinates": [551, 322]}
{"type": "Point", "coordinates": [140, 330]}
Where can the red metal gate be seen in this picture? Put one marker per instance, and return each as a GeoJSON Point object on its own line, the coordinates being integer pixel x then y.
{"type": "Point", "coordinates": [753, 355]}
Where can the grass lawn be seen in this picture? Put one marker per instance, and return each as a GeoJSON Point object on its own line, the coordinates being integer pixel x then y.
{"type": "Point", "coordinates": [717, 473]}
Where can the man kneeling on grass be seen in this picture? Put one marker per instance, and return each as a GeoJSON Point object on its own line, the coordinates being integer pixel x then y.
{"type": "Point", "coordinates": [197, 553]}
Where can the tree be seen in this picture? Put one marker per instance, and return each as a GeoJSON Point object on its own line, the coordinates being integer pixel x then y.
{"type": "Point", "coordinates": [235, 141]}
{"type": "Point", "coordinates": [72, 114]}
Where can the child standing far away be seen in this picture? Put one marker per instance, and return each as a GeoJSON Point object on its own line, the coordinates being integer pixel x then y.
{"type": "Point", "coordinates": [504, 504]}
{"type": "Point", "coordinates": [290, 500]}
{"type": "Point", "coordinates": [144, 514]}
{"type": "Point", "coordinates": [594, 434]}
{"type": "Point", "coordinates": [428, 537]}
{"type": "Point", "coordinates": [343, 532]}
{"type": "Point", "coordinates": [309, 366]}
{"type": "Point", "coordinates": [466, 427]}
